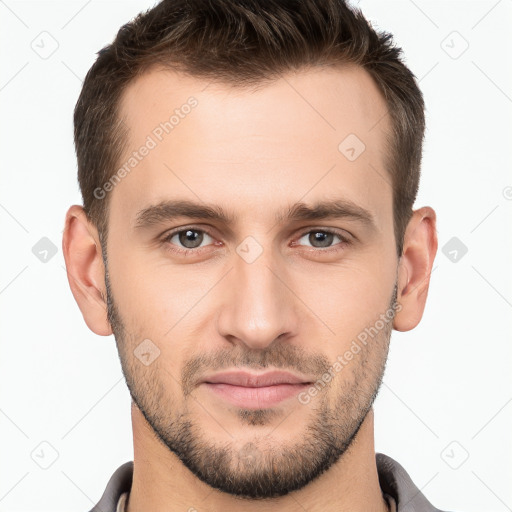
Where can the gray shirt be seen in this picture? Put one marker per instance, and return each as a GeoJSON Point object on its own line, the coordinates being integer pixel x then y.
{"type": "Point", "coordinates": [397, 488]}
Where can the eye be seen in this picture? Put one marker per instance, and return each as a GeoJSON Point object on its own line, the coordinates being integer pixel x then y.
{"type": "Point", "coordinates": [187, 240]}
{"type": "Point", "coordinates": [323, 238]}
{"type": "Point", "coordinates": [190, 241]}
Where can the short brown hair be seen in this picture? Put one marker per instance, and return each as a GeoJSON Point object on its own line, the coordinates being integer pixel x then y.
{"type": "Point", "coordinates": [243, 43]}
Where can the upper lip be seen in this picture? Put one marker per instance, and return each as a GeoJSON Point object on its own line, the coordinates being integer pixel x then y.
{"type": "Point", "coordinates": [246, 379]}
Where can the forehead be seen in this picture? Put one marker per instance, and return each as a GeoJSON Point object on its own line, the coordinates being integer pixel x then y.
{"type": "Point", "coordinates": [331, 98]}
{"type": "Point", "coordinates": [311, 132]}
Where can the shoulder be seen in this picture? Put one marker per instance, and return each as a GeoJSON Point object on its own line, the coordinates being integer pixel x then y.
{"type": "Point", "coordinates": [120, 482]}
{"type": "Point", "coordinates": [396, 482]}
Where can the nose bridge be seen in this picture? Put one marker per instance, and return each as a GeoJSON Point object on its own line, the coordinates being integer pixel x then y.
{"type": "Point", "coordinates": [258, 308]}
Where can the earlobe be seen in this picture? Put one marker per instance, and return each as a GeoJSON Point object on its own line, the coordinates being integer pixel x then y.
{"type": "Point", "coordinates": [415, 267]}
{"type": "Point", "coordinates": [85, 269]}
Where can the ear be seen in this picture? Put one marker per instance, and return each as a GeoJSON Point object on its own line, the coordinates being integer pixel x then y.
{"type": "Point", "coordinates": [86, 273]}
{"type": "Point", "coordinates": [415, 267]}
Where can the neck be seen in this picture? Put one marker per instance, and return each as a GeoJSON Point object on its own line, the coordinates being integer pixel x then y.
{"type": "Point", "coordinates": [162, 483]}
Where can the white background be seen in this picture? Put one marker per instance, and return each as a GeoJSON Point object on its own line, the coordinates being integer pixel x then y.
{"type": "Point", "coordinates": [447, 391]}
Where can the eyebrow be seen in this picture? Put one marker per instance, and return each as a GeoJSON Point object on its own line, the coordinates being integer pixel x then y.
{"type": "Point", "coordinates": [169, 210]}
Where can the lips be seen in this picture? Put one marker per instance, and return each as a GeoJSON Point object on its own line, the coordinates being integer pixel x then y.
{"type": "Point", "coordinates": [245, 379]}
{"type": "Point", "coordinates": [255, 391]}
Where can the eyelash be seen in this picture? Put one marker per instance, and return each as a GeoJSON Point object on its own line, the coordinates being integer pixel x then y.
{"type": "Point", "coordinates": [185, 252]}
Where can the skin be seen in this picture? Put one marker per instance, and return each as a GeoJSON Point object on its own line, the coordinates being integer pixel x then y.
{"type": "Point", "coordinates": [254, 153]}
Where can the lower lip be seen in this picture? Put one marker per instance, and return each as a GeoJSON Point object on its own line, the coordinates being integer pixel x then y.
{"type": "Point", "coordinates": [255, 398]}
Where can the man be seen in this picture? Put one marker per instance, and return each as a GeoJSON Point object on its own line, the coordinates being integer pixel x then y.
{"type": "Point", "coordinates": [248, 171]}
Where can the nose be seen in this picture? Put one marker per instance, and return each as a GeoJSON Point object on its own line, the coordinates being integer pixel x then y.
{"type": "Point", "coordinates": [257, 304]}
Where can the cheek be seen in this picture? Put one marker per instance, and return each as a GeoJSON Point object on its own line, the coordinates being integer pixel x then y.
{"type": "Point", "coordinates": [349, 297]}
{"type": "Point", "coordinates": [158, 300]}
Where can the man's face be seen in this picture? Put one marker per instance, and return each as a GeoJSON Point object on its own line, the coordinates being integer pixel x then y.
{"type": "Point", "coordinates": [261, 293]}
